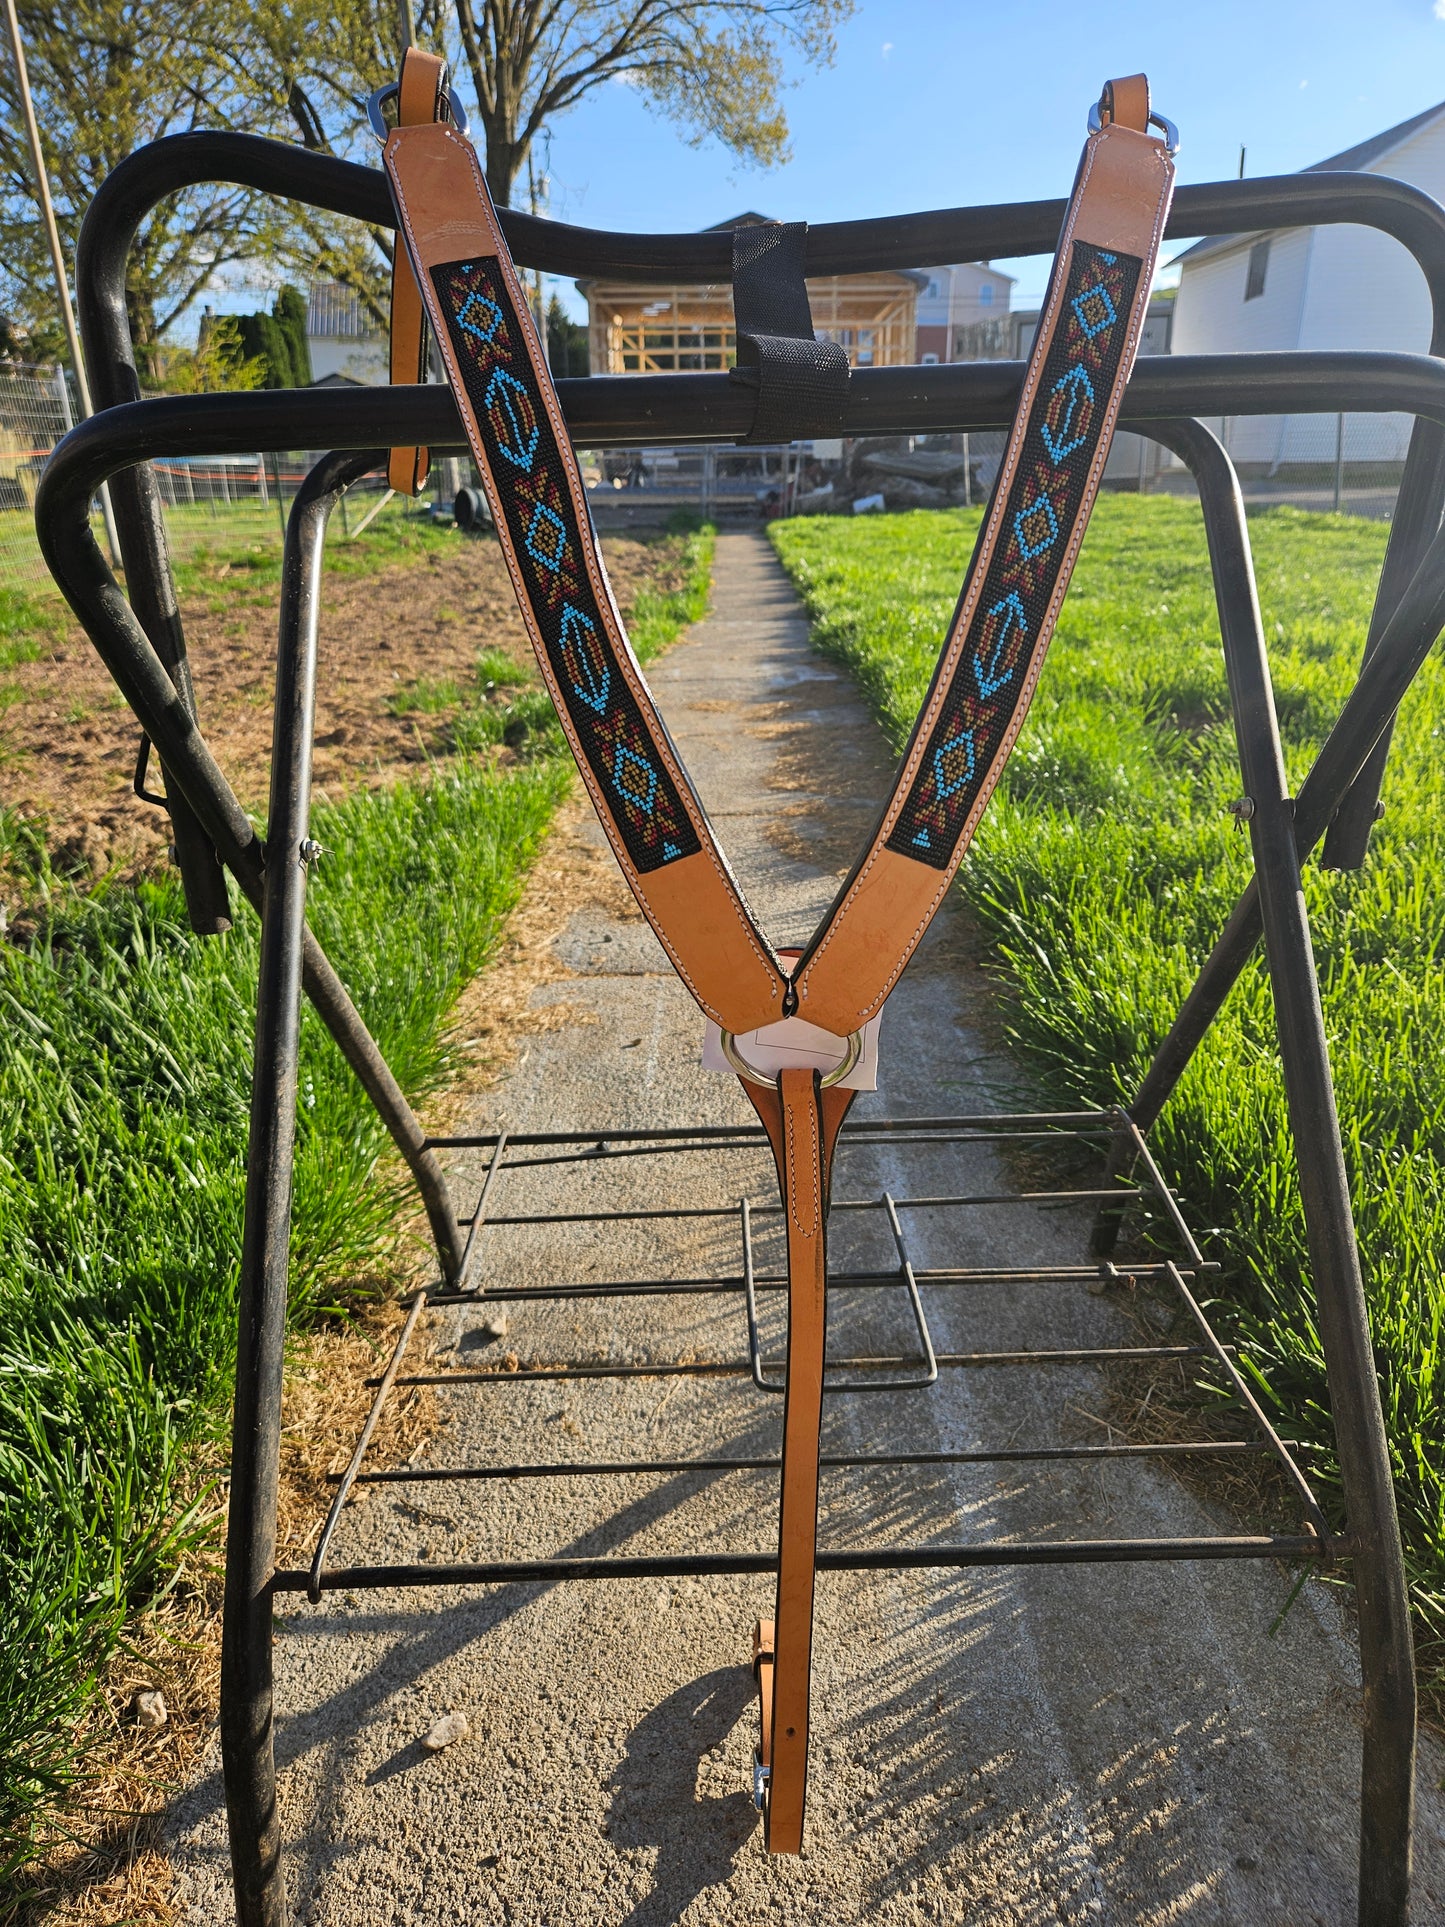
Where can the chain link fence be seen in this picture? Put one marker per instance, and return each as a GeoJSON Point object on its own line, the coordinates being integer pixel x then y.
{"type": "Point", "coordinates": [1348, 464]}
{"type": "Point", "coordinates": [36, 409]}
{"type": "Point", "coordinates": [1340, 464]}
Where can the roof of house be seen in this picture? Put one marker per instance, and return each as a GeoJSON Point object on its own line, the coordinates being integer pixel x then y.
{"type": "Point", "coordinates": [751, 219]}
{"type": "Point", "coordinates": [1353, 160]}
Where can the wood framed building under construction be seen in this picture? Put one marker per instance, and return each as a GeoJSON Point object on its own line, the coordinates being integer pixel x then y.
{"type": "Point", "coordinates": [639, 329]}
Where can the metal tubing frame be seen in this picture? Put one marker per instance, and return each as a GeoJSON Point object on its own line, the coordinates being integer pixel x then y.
{"type": "Point", "coordinates": [584, 1147]}
{"type": "Point", "coordinates": [915, 1380]}
{"type": "Point", "coordinates": [247, 1749]}
{"type": "Point", "coordinates": [1386, 1657]}
{"type": "Point", "coordinates": [1386, 1648]}
{"type": "Point", "coordinates": [902, 241]}
{"type": "Point", "coordinates": [147, 657]}
{"type": "Point", "coordinates": [1021, 1552]}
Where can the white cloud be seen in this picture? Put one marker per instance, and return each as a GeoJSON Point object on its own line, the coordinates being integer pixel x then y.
{"type": "Point", "coordinates": [1439, 8]}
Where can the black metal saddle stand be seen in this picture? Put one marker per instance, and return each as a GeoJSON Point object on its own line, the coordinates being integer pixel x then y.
{"type": "Point", "coordinates": [142, 643]}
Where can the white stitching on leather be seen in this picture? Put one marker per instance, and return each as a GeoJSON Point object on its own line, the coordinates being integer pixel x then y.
{"type": "Point", "coordinates": [810, 1229]}
{"type": "Point", "coordinates": [866, 1012]}
{"type": "Point", "coordinates": [631, 674]}
{"type": "Point", "coordinates": [950, 657]}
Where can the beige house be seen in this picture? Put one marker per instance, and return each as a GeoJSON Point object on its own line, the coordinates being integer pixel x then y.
{"type": "Point", "coordinates": [648, 330]}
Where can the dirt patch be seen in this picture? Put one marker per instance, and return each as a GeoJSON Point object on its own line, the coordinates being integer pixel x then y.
{"type": "Point", "coordinates": [68, 742]}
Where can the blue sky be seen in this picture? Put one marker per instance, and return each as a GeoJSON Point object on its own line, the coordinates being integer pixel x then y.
{"type": "Point", "coordinates": [938, 103]}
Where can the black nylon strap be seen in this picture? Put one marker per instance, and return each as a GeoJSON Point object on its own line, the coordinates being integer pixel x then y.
{"type": "Point", "coordinates": [801, 382]}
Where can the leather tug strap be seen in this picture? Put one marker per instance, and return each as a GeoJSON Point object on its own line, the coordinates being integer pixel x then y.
{"type": "Point", "coordinates": [984, 680]}
{"type": "Point", "coordinates": [418, 102]}
{"type": "Point", "coordinates": [803, 1181]}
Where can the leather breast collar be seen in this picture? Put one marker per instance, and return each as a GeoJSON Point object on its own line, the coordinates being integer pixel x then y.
{"type": "Point", "coordinates": [462, 277]}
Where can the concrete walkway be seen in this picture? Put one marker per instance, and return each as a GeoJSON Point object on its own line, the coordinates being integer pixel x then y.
{"type": "Point", "coordinates": [1109, 1744]}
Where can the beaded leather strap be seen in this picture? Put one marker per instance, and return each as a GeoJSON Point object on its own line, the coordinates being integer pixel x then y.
{"type": "Point", "coordinates": [991, 658]}
{"type": "Point", "coordinates": [986, 674]}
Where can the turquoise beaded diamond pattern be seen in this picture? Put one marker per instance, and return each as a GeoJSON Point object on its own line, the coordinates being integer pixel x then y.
{"type": "Point", "coordinates": [1047, 492]}
{"type": "Point", "coordinates": [530, 482]}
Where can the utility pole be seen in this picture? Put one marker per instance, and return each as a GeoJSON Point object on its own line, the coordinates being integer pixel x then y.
{"type": "Point", "coordinates": [57, 258]}
{"type": "Point", "coordinates": [532, 198]}
{"type": "Point", "coordinates": [408, 26]}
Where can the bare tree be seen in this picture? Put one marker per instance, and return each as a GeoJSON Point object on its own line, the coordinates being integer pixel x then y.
{"type": "Point", "coordinates": [713, 66]}
{"type": "Point", "coordinates": [108, 76]}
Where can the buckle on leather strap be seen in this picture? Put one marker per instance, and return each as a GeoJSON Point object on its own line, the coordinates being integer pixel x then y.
{"type": "Point", "coordinates": [1166, 127]}
{"type": "Point", "coordinates": [376, 101]}
{"type": "Point", "coordinates": [769, 1079]}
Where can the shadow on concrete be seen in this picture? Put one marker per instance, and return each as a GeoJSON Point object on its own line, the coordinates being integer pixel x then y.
{"type": "Point", "coordinates": [656, 1801]}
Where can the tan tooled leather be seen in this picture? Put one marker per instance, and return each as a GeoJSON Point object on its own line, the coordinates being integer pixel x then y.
{"type": "Point", "coordinates": [1121, 202]}
{"type": "Point", "coordinates": [763, 1664]}
{"type": "Point", "coordinates": [802, 1180]}
{"type": "Point", "coordinates": [422, 78]}
{"type": "Point", "coordinates": [1127, 101]}
{"type": "Point", "coordinates": [692, 903]}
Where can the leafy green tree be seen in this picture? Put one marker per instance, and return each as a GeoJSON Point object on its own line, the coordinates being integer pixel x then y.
{"type": "Point", "coordinates": [290, 314]}
{"type": "Point", "coordinates": [567, 351]}
{"type": "Point", "coordinates": [712, 66]}
{"type": "Point", "coordinates": [277, 341]}
{"type": "Point", "coordinates": [219, 361]}
{"type": "Point", "coordinates": [107, 76]}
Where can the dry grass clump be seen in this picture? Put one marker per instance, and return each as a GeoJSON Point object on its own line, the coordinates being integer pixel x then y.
{"type": "Point", "coordinates": [107, 1866]}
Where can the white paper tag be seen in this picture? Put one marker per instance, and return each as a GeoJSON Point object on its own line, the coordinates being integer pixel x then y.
{"type": "Point", "coordinates": [794, 1042]}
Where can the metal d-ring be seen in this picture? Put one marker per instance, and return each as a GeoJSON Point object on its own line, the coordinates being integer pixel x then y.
{"type": "Point", "coordinates": [1166, 127]}
{"type": "Point", "coordinates": [455, 112]}
{"type": "Point", "coordinates": [835, 1076]}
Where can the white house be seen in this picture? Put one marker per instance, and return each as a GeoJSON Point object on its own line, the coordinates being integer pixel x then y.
{"type": "Point", "coordinates": [958, 308]}
{"type": "Point", "coordinates": [343, 338]}
{"type": "Point", "coordinates": [1317, 288]}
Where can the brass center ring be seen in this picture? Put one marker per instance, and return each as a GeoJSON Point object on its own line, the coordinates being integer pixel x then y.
{"type": "Point", "coordinates": [769, 1080]}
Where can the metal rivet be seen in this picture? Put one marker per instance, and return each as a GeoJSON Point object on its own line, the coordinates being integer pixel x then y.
{"type": "Point", "coordinates": [310, 850]}
{"type": "Point", "coordinates": [1242, 810]}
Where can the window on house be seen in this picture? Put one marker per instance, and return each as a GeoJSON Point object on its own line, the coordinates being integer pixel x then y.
{"type": "Point", "coordinates": [985, 295]}
{"type": "Point", "coordinates": [933, 290]}
{"type": "Point", "coordinates": [1258, 269]}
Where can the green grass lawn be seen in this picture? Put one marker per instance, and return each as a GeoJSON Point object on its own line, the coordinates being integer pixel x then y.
{"type": "Point", "coordinates": [124, 1086]}
{"type": "Point", "coordinates": [1106, 865]}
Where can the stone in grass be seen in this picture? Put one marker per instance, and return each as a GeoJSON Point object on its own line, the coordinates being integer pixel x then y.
{"type": "Point", "coordinates": [450, 1728]}
{"type": "Point", "coordinates": [148, 1708]}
